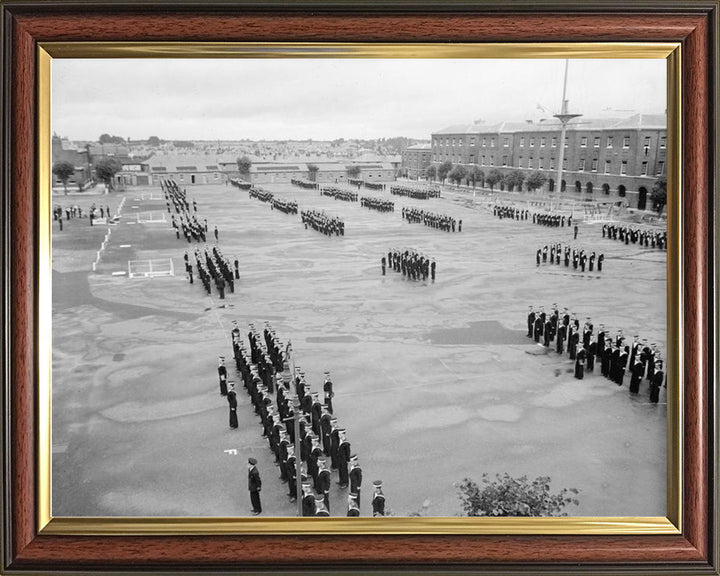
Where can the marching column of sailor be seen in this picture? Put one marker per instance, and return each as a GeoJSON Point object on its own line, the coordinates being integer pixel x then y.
{"type": "Point", "coordinates": [320, 221]}
{"type": "Point", "coordinates": [432, 219]}
{"type": "Point", "coordinates": [187, 223]}
{"type": "Point", "coordinates": [339, 193]}
{"type": "Point", "coordinates": [549, 219]}
{"type": "Point", "coordinates": [415, 193]}
{"type": "Point", "coordinates": [377, 203]}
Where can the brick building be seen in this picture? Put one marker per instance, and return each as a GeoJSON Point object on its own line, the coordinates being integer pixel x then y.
{"type": "Point", "coordinates": [415, 159]}
{"type": "Point", "coordinates": [604, 159]}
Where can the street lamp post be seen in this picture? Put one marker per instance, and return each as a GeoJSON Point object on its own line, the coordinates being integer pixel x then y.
{"type": "Point", "coordinates": [564, 118]}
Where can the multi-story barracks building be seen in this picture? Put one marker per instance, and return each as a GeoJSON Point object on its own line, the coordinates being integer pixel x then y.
{"type": "Point", "coordinates": [604, 159]}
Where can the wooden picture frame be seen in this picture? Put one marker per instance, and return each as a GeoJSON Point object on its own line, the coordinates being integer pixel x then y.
{"type": "Point", "coordinates": [31, 547]}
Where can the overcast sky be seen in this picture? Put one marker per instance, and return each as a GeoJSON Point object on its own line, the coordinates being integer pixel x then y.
{"type": "Point", "coordinates": [323, 99]}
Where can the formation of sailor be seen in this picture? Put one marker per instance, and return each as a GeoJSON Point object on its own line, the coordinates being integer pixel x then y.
{"type": "Point", "coordinates": [186, 222]}
{"type": "Point", "coordinates": [320, 221]}
{"type": "Point", "coordinates": [339, 193]}
{"type": "Point", "coordinates": [376, 203]}
{"type": "Point", "coordinates": [260, 194]}
{"type": "Point", "coordinates": [213, 267]}
{"type": "Point", "coordinates": [431, 219]}
{"type": "Point", "coordinates": [307, 184]}
{"type": "Point", "coordinates": [374, 185]}
{"type": "Point", "coordinates": [240, 184]}
{"type": "Point", "coordinates": [412, 264]}
{"type": "Point", "coordinates": [275, 400]}
{"type": "Point", "coordinates": [416, 192]}
{"type": "Point", "coordinates": [550, 219]}
{"type": "Point", "coordinates": [587, 348]}
{"type": "Point", "coordinates": [627, 234]}
{"type": "Point", "coordinates": [554, 253]}
{"type": "Point", "coordinates": [287, 206]}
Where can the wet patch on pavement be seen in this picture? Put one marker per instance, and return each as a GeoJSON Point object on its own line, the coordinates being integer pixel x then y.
{"type": "Point", "coordinates": [480, 332]}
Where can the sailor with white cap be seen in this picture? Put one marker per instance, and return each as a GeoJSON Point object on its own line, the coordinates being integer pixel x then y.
{"type": "Point", "coordinates": [328, 390]}
{"type": "Point", "coordinates": [353, 505]}
{"type": "Point", "coordinates": [378, 502]}
{"type": "Point", "coordinates": [355, 477]}
{"type": "Point", "coordinates": [222, 374]}
{"type": "Point", "coordinates": [308, 500]}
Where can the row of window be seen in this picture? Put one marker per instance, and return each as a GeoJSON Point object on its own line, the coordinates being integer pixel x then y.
{"type": "Point", "coordinates": [609, 142]}
{"type": "Point", "coordinates": [490, 161]}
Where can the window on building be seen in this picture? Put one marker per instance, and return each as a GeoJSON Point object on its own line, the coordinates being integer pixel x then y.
{"type": "Point", "coordinates": [532, 142]}
{"type": "Point", "coordinates": [472, 141]}
{"type": "Point", "coordinates": [542, 141]}
{"type": "Point", "coordinates": [484, 142]}
{"type": "Point", "coordinates": [583, 142]}
{"type": "Point", "coordinates": [492, 142]}
{"type": "Point", "coordinates": [663, 142]}
{"type": "Point", "coordinates": [522, 142]}
{"type": "Point", "coordinates": [661, 168]}
{"type": "Point", "coordinates": [608, 166]}
{"type": "Point", "coordinates": [647, 141]}
{"type": "Point", "coordinates": [504, 161]}
{"type": "Point", "coordinates": [567, 141]}
{"type": "Point", "coordinates": [506, 142]}
{"type": "Point", "coordinates": [609, 141]}
{"type": "Point", "coordinates": [626, 142]}
{"type": "Point", "coordinates": [594, 165]}
{"type": "Point", "coordinates": [216, 175]}
{"type": "Point", "coordinates": [564, 163]}
{"type": "Point", "coordinates": [553, 142]}
{"type": "Point", "coordinates": [540, 163]}
{"type": "Point", "coordinates": [644, 169]}
{"type": "Point", "coordinates": [492, 160]}
{"type": "Point", "coordinates": [530, 161]}
{"type": "Point", "coordinates": [520, 161]}
{"type": "Point", "coordinates": [552, 163]}
{"type": "Point", "coordinates": [596, 142]}
{"type": "Point", "coordinates": [623, 167]}
{"type": "Point", "coordinates": [482, 160]}
{"type": "Point", "coordinates": [581, 165]}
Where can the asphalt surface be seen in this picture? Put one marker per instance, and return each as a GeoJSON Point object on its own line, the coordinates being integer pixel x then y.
{"type": "Point", "coordinates": [434, 382]}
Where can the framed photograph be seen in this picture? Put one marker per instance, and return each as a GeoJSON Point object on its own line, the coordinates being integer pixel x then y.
{"type": "Point", "coordinates": [336, 288]}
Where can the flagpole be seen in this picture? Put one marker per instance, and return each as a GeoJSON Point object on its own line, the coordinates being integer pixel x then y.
{"type": "Point", "coordinates": [564, 118]}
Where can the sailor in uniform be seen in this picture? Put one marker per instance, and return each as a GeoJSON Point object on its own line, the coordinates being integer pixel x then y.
{"type": "Point", "coordinates": [378, 501]}
{"type": "Point", "coordinates": [353, 506]}
{"type": "Point", "coordinates": [222, 375]}
{"type": "Point", "coordinates": [355, 477]}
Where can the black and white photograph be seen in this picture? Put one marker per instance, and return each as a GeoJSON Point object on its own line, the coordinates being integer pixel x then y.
{"type": "Point", "coordinates": [359, 287]}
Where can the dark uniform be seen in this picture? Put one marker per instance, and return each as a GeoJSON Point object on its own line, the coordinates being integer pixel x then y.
{"type": "Point", "coordinates": [232, 401]}
{"type": "Point", "coordinates": [222, 375]}
{"type": "Point", "coordinates": [656, 383]}
{"type": "Point", "coordinates": [353, 506]}
{"type": "Point", "coordinates": [328, 391]}
{"type": "Point", "coordinates": [254, 486]}
{"type": "Point", "coordinates": [308, 501]}
{"type": "Point", "coordinates": [355, 477]}
{"type": "Point", "coordinates": [378, 502]}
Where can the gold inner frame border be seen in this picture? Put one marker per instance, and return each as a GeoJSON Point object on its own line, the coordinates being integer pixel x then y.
{"type": "Point", "coordinates": [670, 524]}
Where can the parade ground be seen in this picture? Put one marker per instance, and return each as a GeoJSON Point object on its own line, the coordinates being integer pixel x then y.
{"type": "Point", "coordinates": [434, 381]}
